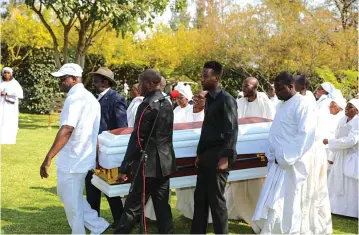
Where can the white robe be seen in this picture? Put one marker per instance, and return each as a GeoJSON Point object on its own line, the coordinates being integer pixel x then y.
{"type": "Point", "coordinates": [242, 196]}
{"type": "Point", "coordinates": [343, 178]}
{"type": "Point", "coordinates": [310, 99]}
{"type": "Point", "coordinates": [290, 137]}
{"type": "Point", "coordinates": [9, 112]}
{"type": "Point", "coordinates": [323, 104]}
{"type": "Point", "coordinates": [275, 101]}
{"type": "Point", "coordinates": [260, 107]}
{"type": "Point", "coordinates": [132, 109]}
{"type": "Point", "coordinates": [182, 115]}
{"type": "Point", "coordinates": [315, 205]}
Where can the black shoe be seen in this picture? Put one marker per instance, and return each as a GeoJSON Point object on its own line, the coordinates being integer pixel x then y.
{"type": "Point", "coordinates": [115, 223]}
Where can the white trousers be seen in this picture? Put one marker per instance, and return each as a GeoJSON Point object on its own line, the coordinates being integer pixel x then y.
{"type": "Point", "coordinates": [79, 214]}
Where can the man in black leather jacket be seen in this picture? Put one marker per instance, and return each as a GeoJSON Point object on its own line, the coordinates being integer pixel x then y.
{"type": "Point", "coordinates": [161, 159]}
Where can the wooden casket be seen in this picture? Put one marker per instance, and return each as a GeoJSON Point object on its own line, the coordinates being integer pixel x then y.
{"type": "Point", "coordinates": [250, 164]}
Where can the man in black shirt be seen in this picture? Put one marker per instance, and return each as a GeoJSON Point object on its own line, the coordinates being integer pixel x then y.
{"type": "Point", "coordinates": [216, 152]}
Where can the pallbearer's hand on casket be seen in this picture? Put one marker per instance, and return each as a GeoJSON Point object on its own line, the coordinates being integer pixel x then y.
{"type": "Point", "coordinates": [196, 162]}
{"type": "Point", "coordinates": [222, 164]}
{"type": "Point", "coordinates": [325, 141]}
{"type": "Point", "coordinates": [121, 177]}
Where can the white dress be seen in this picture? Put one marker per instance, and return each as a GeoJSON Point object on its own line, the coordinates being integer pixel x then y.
{"type": "Point", "coordinates": [343, 178]}
{"type": "Point", "coordinates": [291, 136]}
{"type": "Point", "coordinates": [242, 196]}
{"type": "Point", "coordinates": [9, 112]}
{"type": "Point", "coordinates": [316, 216]}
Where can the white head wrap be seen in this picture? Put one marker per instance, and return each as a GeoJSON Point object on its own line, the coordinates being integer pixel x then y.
{"type": "Point", "coordinates": [328, 87]}
{"type": "Point", "coordinates": [6, 69]}
{"type": "Point", "coordinates": [355, 102]}
{"type": "Point", "coordinates": [338, 98]}
{"type": "Point", "coordinates": [185, 90]}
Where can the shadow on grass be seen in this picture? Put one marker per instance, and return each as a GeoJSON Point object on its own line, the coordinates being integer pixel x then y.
{"type": "Point", "coordinates": [48, 220]}
{"type": "Point", "coordinates": [52, 190]}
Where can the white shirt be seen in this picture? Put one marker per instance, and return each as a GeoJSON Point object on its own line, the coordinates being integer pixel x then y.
{"type": "Point", "coordinates": [182, 115]}
{"type": "Point", "coordinates": [102, 94]}
{"type": "Point", "coordinates": [253, 109]}
{"type": "Point", "coordinates": [198, 117]}
{"type": "Point", "coordinates": [132, 109]}
{"type": "Point", "coordinates": [83, 112]}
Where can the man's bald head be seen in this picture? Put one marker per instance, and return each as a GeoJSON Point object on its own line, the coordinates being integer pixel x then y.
{"type": "Point", "coordinates": [249, 87]}
{"type": "Point", "coordinates": [150, 80]}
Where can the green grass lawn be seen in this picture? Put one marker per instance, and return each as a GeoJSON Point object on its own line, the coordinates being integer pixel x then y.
{"type": "Point", "coordinates": [29, 204]}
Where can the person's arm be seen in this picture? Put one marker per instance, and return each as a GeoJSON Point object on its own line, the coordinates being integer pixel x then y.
{"type": "Point", "coordinates": [229, 134]}
{"type": "Point", "coordinates": [69, 117]}
{"type": "Point", "coordinates": [120, 112]}
{"type": "Point", "coordinates": [16, 92]}
{"type": "Point", "coordinates": [62, 137]}
{"type": "Point", "coordinates": [133, 151]}
{"type": "Point", "coordinates": [346, 141]}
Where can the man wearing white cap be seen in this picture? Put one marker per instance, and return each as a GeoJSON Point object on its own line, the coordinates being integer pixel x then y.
{"type": "Point", "coordinates": [10, 93]}
{"type": "Point", "coordinates": [183, 112]}
{"type": "Point", "coordinates": [343, 177]}
{"type": "Point", "coordinates": [324, 95]}
{"type": "Point", "coordinates": [75, 145]}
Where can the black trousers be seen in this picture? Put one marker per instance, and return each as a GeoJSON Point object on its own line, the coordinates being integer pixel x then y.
{"type": "Point", "coordinates": [209, 192]}
{"type": "Point", "coordinates": [93, 196]}
{"type": "Point", "coordinates": [158, 189]}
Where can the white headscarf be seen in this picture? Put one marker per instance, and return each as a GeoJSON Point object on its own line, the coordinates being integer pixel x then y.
{"type": "Point", "coordinates": [328, 87]}
{"type": "Point", "coordinates": [355, 102]}
{"type": "Point", "coordinates": [6, 69]}
{"type": "Point", "coordinates": [338, 98]}
{"type": "Point", "coordinates": [185, 91]}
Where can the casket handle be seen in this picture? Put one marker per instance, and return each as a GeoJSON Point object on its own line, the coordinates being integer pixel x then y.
{"type": "Point", "coordinates": [262, 156]}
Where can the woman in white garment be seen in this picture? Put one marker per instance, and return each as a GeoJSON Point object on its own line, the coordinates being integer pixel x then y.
{"type": "Point", "coordinates": [343, 178]}
{"type": "Point", "coordinates": [315, 206]}
{"type": "Point", "coordinates": [183, 112]}
{"type": "Point", "coordinates": [324, 96]}
{"type": "Point", "coordinates": [10, 93]}
{"type": "Point", "coordinates": [185, 197]}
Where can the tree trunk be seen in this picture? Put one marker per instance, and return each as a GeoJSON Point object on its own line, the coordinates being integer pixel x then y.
{"type": "Point", "coordinates": [57, 57]}
{"type": "Point", "coordinates": [81, 46]}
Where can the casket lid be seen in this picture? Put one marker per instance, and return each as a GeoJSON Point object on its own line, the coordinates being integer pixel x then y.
{"type": "Point", "coordinates": [193, 125]}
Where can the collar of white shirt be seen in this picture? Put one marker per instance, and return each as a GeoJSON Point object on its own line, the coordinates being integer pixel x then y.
{"type": "Point", "coordinates": [99, 96]}
{"type": "Point", "coordinates": [75, 88]}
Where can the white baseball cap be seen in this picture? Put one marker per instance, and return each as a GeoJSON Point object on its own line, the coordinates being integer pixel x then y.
{"type": "Point", "coordinates": [69, 69]}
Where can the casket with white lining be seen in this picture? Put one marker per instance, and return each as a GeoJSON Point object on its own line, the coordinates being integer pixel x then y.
{"type": "Point", "coordinates": [250, 164]}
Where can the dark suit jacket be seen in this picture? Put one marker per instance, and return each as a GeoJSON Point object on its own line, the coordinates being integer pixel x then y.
{"type": "Point", "coordinates": [113, 111]}
{"type": "Point", "coordinates": [161, 160]}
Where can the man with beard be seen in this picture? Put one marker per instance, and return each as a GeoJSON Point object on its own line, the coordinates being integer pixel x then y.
{"type": "Point", "coordinates": [113, 116]}
{"type": "Point", "coordinates": [75, 144]}
{"type": "Point", "coordinates": [216, 152]}
{"type": "Point", "coordinates": [290, 137]}
{"type": "Point", "coordinates": [242, 196]}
